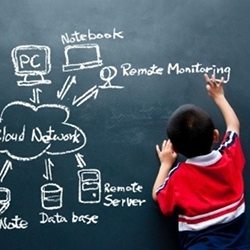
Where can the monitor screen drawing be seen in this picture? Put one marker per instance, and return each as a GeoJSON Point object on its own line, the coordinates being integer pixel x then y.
{"type": "Point", "coordinates": [32, 62]}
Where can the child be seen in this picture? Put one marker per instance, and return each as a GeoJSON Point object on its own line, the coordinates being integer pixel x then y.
{"type": "Point", "coordinates": [207, 190]}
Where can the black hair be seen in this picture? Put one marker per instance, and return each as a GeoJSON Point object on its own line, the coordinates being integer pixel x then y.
{"type": "Point", "coordinates": [190, 130]}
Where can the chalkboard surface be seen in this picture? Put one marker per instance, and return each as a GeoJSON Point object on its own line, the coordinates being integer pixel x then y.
{"type": "Point", "coordinates": [86, 90]}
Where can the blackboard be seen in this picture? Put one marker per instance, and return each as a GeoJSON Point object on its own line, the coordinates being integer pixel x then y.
{"type": "Point", "coordinates": [86, 90]}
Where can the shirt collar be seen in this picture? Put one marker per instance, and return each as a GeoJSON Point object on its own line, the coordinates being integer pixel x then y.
{"type": "Point", "coordinates": [205, 160]}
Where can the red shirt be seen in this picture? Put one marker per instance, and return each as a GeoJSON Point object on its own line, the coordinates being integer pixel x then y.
{"type": "Point", "coordinates": [206, 190]}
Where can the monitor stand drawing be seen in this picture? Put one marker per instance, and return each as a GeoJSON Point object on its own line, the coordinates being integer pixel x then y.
{"type": "Point", "coordinates": [32, 80]}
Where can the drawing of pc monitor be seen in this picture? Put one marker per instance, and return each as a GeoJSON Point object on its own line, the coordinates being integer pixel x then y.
{"type": "Point", "coordinates": [81, 56]}
{"type": "Point", "coordinates": [32, 62]}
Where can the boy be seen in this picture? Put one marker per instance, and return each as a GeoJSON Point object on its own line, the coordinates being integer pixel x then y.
{"type": "Point", "coordinates": [207, 190]}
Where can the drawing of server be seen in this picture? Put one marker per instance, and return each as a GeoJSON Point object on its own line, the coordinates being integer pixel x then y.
{"type": "Point", "coordinates": [89, 186]}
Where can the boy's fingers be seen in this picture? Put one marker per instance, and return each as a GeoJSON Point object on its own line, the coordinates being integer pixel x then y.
{"type": "Point", "coordinates": [210, 82]}
{"type": "Point", "coordinates": [158, 149]}
{"type": "Point", "coordinates": [207, 79]}
{"type": "Point", "coordinates": [169, 144]}
{"type": "Point", "coordinates": [222, 80]}
{"type": "Point", "coordinates": [213, 78]}
{"type": "Point", "coordinates": [208, 86]}
{"type": "Point", "coordinates": [164, 144]}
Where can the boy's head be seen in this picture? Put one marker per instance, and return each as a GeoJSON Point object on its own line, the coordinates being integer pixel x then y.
{"type": "Point", "coordinates": [191, 131]}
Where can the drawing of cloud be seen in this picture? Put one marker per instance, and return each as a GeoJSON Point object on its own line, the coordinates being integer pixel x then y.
{"type": "Point", "coordinates": [27, 131]}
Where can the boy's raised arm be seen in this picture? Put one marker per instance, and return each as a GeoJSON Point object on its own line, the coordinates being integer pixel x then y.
{"type": "Point", "coordinates": [216, 91]}
{"type": "Point", "coordinates": [167, 157]}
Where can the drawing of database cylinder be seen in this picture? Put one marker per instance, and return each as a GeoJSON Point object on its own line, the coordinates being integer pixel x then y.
{"type": "Point", "coordinates": [51, 196]}
{"type": "Point", "coordinates": [89, 186]}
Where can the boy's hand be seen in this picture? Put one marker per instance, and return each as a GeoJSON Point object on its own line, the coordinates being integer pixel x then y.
{"type": "Point", "coordinates": [166, 154]}
{"type": "Point", "coordinates": [216, 91]}
{"type": "Point", "coordinates": [167, 158]}
{"type": "Point", "coordinates": [214, 86]}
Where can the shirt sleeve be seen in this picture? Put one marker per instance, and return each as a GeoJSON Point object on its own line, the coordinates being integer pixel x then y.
{"type": "Point", "coordinates": [231, 147]}
{"type": "Point", "coordinates": [166, 195]}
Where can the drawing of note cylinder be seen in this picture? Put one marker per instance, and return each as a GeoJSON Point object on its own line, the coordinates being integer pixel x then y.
{"type": "Point", "coordinates": [89, 186]}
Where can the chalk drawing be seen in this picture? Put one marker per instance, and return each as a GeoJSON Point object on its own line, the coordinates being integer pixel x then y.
{"type": "Point", "coordinates": [89, 191]}
{"type": "Point", "coordinates": [36, 96]}
{"type": "Point", "coordinates": [82, 56]}
{"type": "Point", "coordinates": [5, 198]}
{"type": "Point", "coordinates": [48, 169]}
{"type": "Point", "coordinates": [67, 85]}
{"type": "Point", "coordinates": [107, 74]}
{"type": "Point", "coordinates": [5, 169]}
{"type": "Point", "coordinates": [80, 160]}
{"type": "Point", "coordinates": [92, 92]}
{"type": "Point", "coordinates": [30, 128]}
{"type": "Point", "coordinates": [51, 196]}
{"type": "Point", "coordinates": [32, 62]}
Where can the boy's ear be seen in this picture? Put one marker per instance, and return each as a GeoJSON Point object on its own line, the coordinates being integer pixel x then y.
{"type": "Point", "coordinates": [216, 136]}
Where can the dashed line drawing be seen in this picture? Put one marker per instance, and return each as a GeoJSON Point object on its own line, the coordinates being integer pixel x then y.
{"type": "Point", "coordinates": [48, 169]}
{"type": "Point", "coordinates": [51, 196]}
{"type": "Point", "coordinates": [5, 198]}
{"type": "Point", "coordinates": [67, 85]}
{"type": "Point", "coordinates": [36, 96]}
{"type": "Point", "coordinates": [89, 190]}
{"type": "Point", "coordinates": [32, 62]}
{"type": "Point", "coordinates": [80, 160]}
{"type": "Point", "coordinates": [92, 92]}
{"type": "Point", "coordinates": [6, 167]}
{"type": "Point", "coordinates": [82, 56]}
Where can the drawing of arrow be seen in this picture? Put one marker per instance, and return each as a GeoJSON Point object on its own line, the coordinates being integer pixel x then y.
{"type": "Point", "coordinates": [79, 158]}
{"type": "Point", "coordinates": [36, 94]}
{"type": "Point", "coordinates": [66, 86]}
{"type": "Point", "coordinates": [87, 95]}
{"type": "Point", "coordinates": [48, 171]}
{"type": "Point", "coordinates": [6, 167]}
